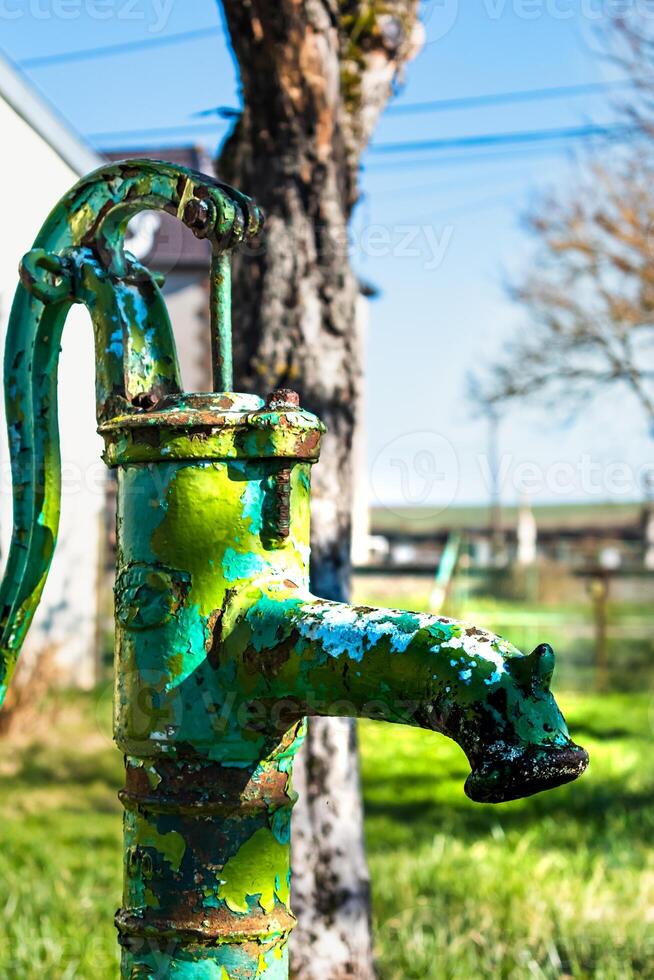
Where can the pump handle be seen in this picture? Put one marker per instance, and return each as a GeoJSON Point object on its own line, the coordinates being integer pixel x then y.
{"type": "Point", "coordinates": [79, 257]}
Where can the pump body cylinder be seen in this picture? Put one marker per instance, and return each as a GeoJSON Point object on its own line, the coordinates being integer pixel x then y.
{"type": "Point", "coordinates": [208, 792]}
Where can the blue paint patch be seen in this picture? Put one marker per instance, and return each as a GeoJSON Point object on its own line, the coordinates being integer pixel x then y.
{"type": "Point", "coordinates": [115, 345]}
{"type": "Point", "coordinates": [242, 566]}
{"type": "Point", "coordinates": [252, 503]}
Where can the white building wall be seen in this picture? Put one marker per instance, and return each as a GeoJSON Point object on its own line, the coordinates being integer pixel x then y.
{"type": "Point", "coordinates": [34, 177]}
{"type": "Point", "coordinates": [187, 300]}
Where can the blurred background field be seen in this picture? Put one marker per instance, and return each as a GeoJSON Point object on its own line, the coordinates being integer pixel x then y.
{"type": "Point", "coordinates": [561, 885]}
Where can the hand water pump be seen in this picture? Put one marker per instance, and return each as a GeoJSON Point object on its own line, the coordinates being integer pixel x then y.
{"type": "Point", "coordinates": [221, 650]}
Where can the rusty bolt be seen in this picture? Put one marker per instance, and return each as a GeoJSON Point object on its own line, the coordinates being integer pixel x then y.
{"type": "Point", "coordinates": [279, 400]}
{"type": "Point", "coordinates": [199, 216]}
{"type": "Point", "coordinates": [282, 485]}
{"type": "Point", "coordinates": [283, 398]}
{"type": "Point", "coordinates": [278, 508]}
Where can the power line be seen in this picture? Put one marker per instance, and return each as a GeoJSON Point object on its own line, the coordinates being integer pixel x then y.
{"type": "Point", "coordinates": [505, 177]}
{"type": "Point", "coordinates": [223, 111]}
{"type": "Point", "coordinates": [484, 204]}
{"type": "Point", "coordinates": [488, 156]}
{"type": "Point", "coordinates": [506, 139]}
{"type": "Point", "coordinates": [473, 101]}
{"type": "Point", "coordinates": [109, 50]}
{"type": "Point", "coordinates": [589, 131]}
{"type": "Point", "coordinates": [439, 105]}
{"type": "Point", "coordinates": [502, 98]}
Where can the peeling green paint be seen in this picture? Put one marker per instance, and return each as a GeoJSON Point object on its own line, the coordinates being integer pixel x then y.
{"type": "Point", "coordinates": [259, 870]}
{"type": "Point", "coordinates": [170, 845]}
{"type": "Point", "coordinates": [221, 649]}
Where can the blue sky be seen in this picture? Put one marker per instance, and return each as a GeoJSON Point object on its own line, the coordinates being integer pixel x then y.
{"type": "Point", "coordinates": [438, 235]}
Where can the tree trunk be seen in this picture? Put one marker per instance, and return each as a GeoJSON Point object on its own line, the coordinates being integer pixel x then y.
{"type": "Point", "coordinates": [315, 75]}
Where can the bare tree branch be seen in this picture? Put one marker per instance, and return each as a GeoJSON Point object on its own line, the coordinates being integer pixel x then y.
{"type": "Point", "coordinates": [589, 294]}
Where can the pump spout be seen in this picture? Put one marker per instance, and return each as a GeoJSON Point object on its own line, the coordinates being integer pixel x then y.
{"type": "Point", "coordinates": [326, 658]}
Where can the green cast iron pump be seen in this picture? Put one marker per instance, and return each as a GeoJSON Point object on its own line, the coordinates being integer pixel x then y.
{"type": "Point", "coordinates": [221, 649]}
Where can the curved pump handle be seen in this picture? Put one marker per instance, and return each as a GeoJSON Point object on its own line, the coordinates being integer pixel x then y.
{"type": "Point", "coordinates": [79, 257]}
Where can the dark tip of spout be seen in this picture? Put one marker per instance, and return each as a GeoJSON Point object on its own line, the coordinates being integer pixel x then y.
{"type": "Point", "coordinates": [535, 770]}
{"type": "Point", "coordinates": [534, 673]}
{"type": "Point", "coordinates": [544, 661]}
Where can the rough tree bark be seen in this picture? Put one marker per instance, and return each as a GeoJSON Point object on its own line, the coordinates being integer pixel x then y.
{"type": "Point", "coordinates": [315, 76]}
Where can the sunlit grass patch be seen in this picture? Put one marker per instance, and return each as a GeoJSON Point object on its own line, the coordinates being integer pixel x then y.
{"type": "Point", "coordinates": [558, 885]}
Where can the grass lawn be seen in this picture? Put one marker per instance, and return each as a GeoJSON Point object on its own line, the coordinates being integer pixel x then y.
{"type": "Point", "coordinates": [60, 846]}
{"type": "Point", "coordinates": [561, 885]}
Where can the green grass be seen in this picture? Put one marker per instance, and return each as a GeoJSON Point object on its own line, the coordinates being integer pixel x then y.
{"type": "Point", "coordinates": [555, 886]}
{"type": "Point", "coordinates": [60, 847]}
{"type": "Point", "coordinates": [560, 885]}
